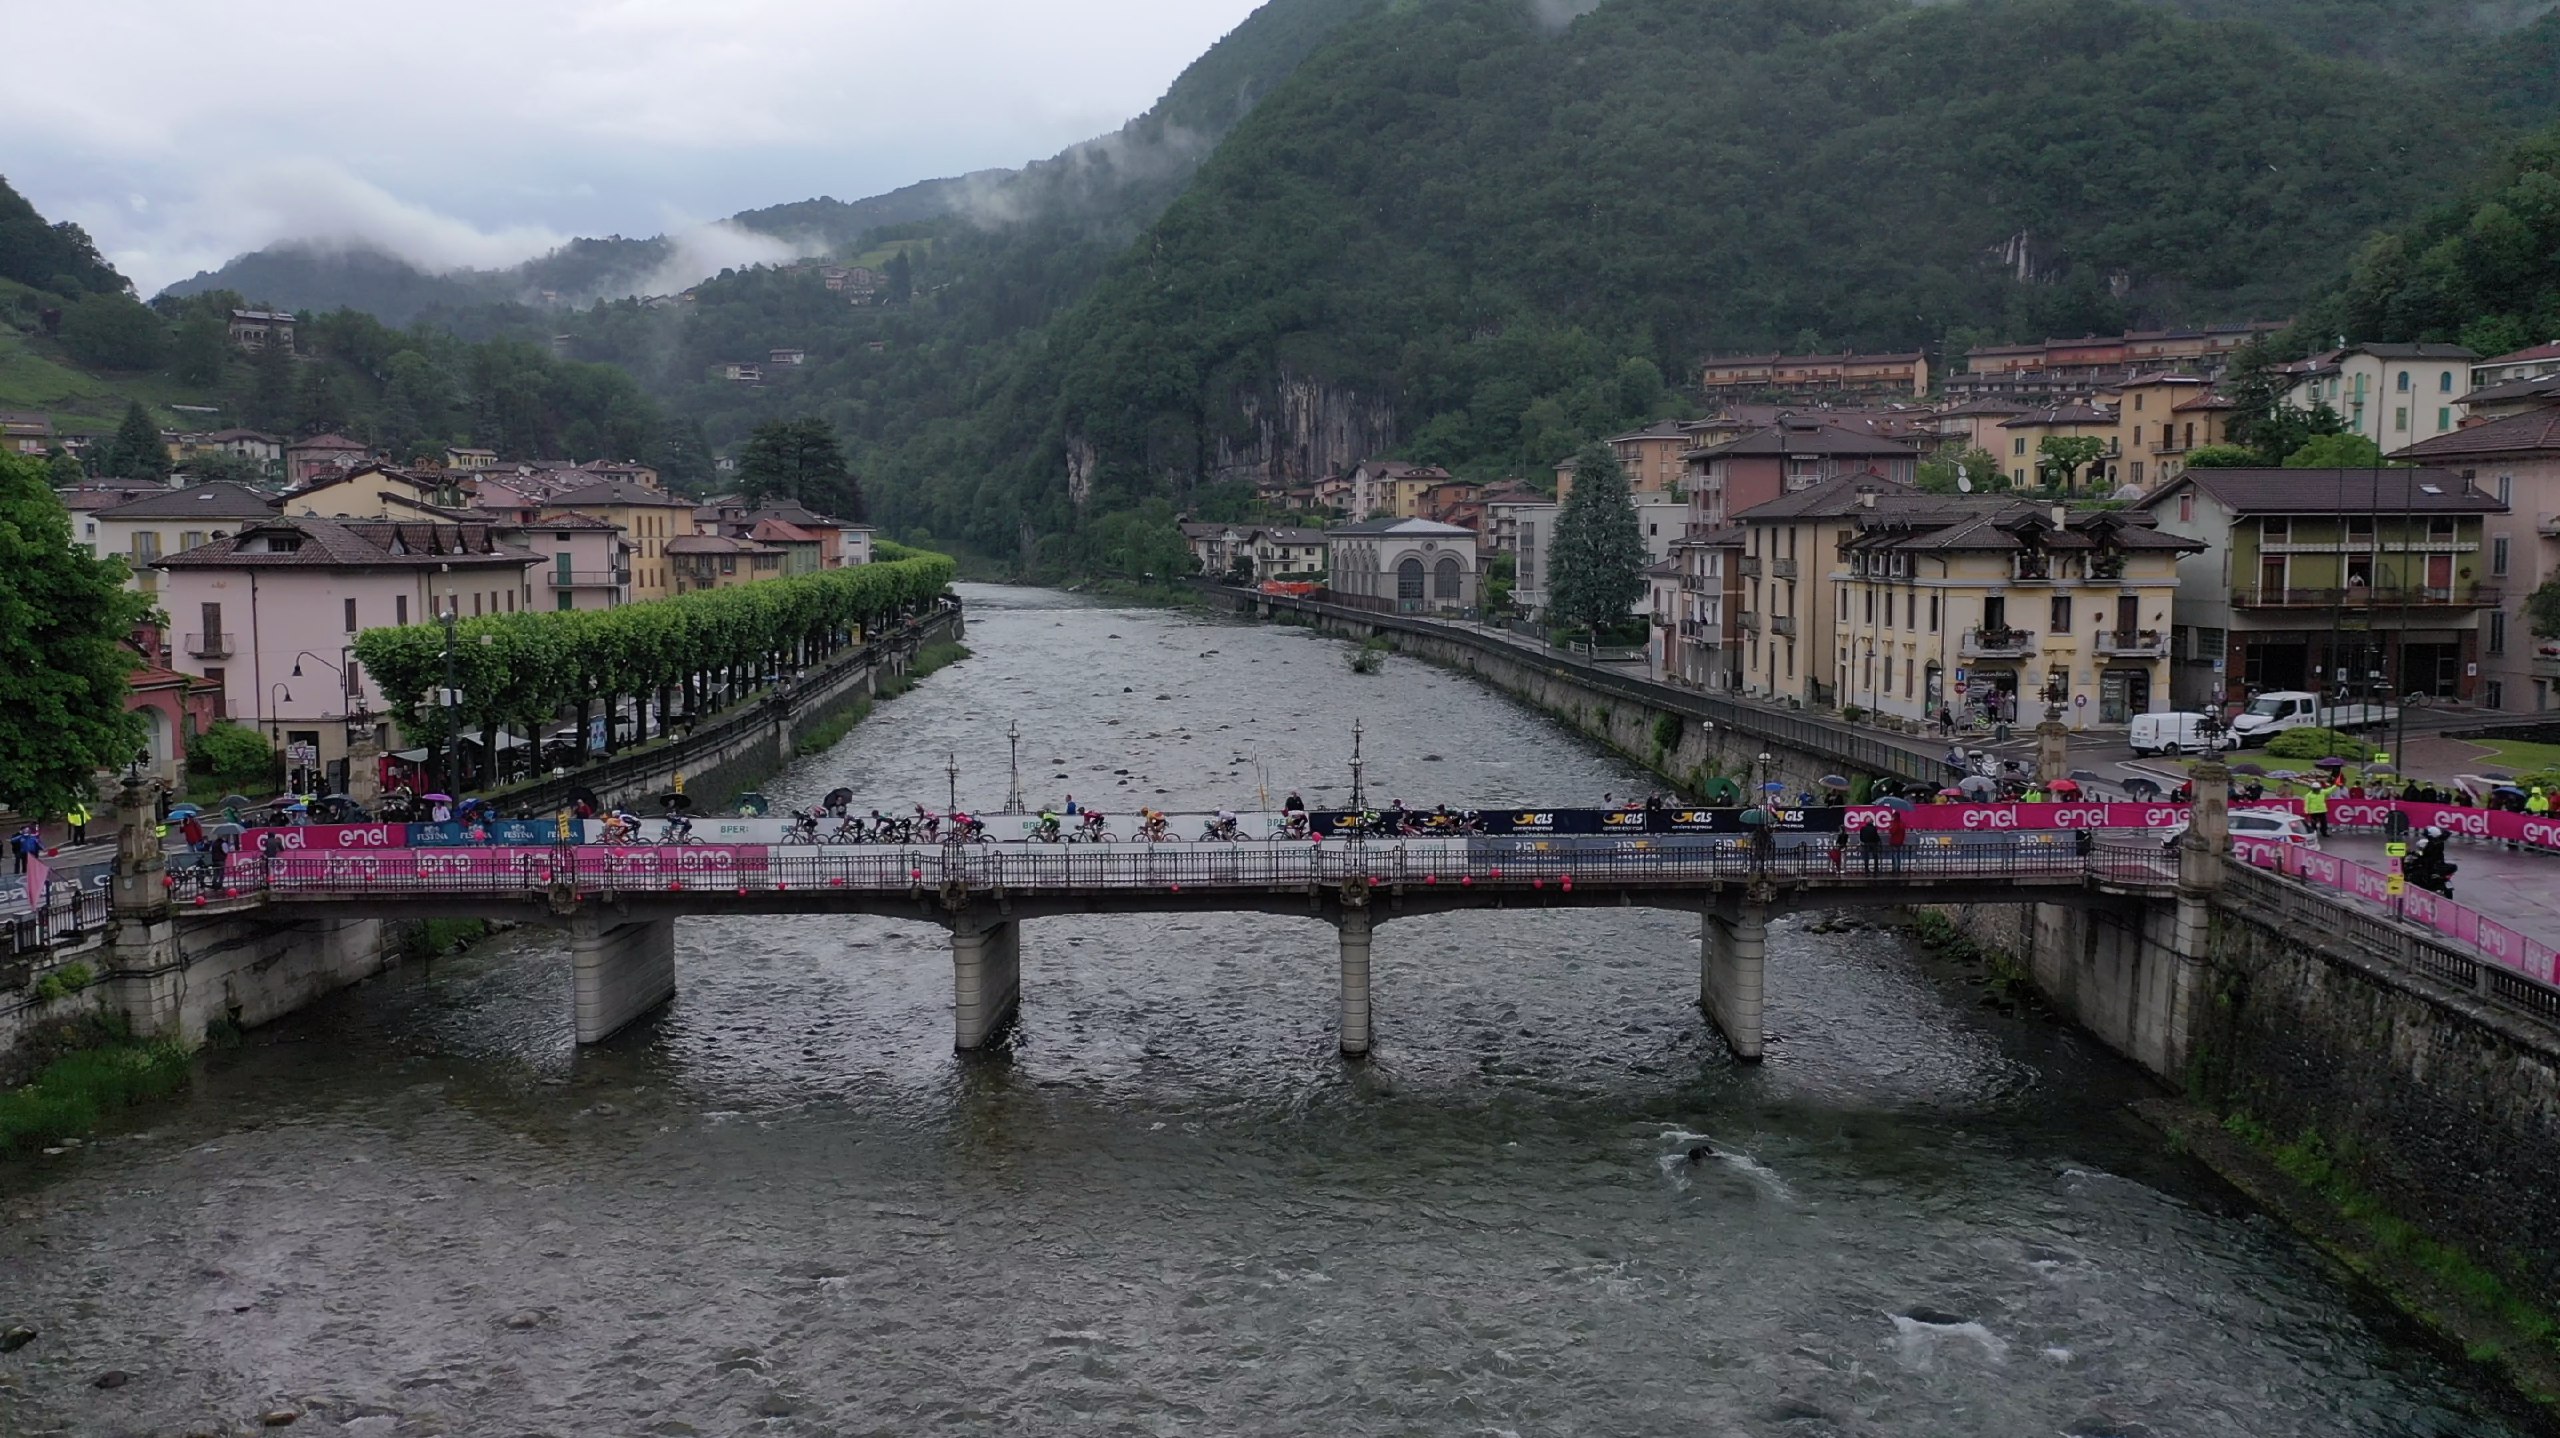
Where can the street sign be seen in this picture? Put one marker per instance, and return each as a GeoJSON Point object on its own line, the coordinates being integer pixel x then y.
{"type": "Point", "coordinates": [2395, 886]}
{"type": "Point", "coordinates": [1960, 687]}
{"type": "Point", "coordinates": [302, 755]}
{"type": "Point", "coordinates": [2396, 849]}
{"type": "Point", "coordinates": [1960, 678]}
{"type": "Point", "coordinates": [2080, 701]}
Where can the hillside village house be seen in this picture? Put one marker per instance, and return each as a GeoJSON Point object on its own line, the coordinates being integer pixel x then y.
{"type": "Point", "coordinates": [1402, 566]}
{"type": "Point", "coordinates": [2532, 362]}
{"type": "Point", "coordinates": [2160, 420]}
{"type": "Point", "coordinates": [2515, 461]}
{"type": "Point", "coordinates": [248, 444]}
{"type": "Point", "coordinates": [2061, 368]}
{"type": "Point", "coordinates": [288, 592]}
{"type": "Point", "coordinates": [1651, 457]}
{"type": "Point", "coordinates": [306, 460]}
{"type": "Point", "coordinates": [256, 329]}
{"type": "Point", "coordinates": [2022, 439]}
{"type": "Point", "coordinates": [170, 521]}
{"type": "Point", "coordinates": [587, 560]}
{"type": "Point", "coordinates": [1786, 625]}
{"type": "Point", "coordinates": [375, 491]}
{"type": "Point", "coordinates": [1975, 424]}
{"type": "Point", "coordinates": [839, 544]}
{"type": "Point", "coordinates": [1269, 551]}
{"type": "Point", "coordinates": [2392, 394]}
{"type": "Point", "coordinates": [1796, 453]}
{"type": "Point", "coordinates": [1993, 595]}
{"type": "Point", "coordinates": [1710, 594]}
{"type": "Point", "coordinates": [715, 561]}
{"type": "Point", "coordinates": [2370, 579]}
{"type": "Point", "coordinates": [1872, 374]}
{"type": "Point", "coordinates": [649, 518]}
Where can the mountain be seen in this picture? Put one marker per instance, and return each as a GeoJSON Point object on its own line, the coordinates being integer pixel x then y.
{"type": "Point", "coordinates": [1154, 152]}
{"type": "Point", "coordinates": [1469, 235]}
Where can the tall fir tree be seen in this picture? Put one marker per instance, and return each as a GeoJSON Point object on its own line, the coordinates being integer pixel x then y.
{"type": "Point", "coordinates": [1595, 568]}
{"type": "Point", "coordinates": [269, 402]}
{"type": "Point", "coordinates": [800, 458]}
{"type": "Point", "coordinates": [65, 618]}
{"type": "Point", "coordinates": [136, 451]}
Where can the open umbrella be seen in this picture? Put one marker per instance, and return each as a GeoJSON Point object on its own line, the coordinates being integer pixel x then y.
{"type": "Point", "coordinates": [234, 801]}
{"type": "Point", "coordinates": [1833, 781]}
{"type": "Point", "coordinates": [224, 831]}
{"type": "Point", "coordinates": [2492, 778]}
{"type": "Point", "coordinates": [183, 811]}
{"type": "Point", "coordinates": [674, 802]}
{"type": "Point", "coordinates": [2142, 789]}
{"type": "Point", "coordinates": [2381, 769]}
{"type": "Point", "coordinates": [838, 798]}
{"type": "Point", "coordinates": [2256, 771]}
{"type": "Point", "coordinates": [1755, 818]}
{"type": "Point", "coordinates": [2288, 775]}
{"type": "Point", "coordinates": [753, 805]}
{"type": "Point", "coordinates": [2063, 786]}
{"type": "Point", "coordinates": [1773, 787]}
{"type": "Point", "coordinates": [2508, 789]}
{"type": "Point", "coordinates": [297, 807]}
{"type": "Point", "coordinates": [437, 798]}
{"type": "Point", "coordinates": [1977, 784]}
{"type": "Point", "coordinates": [1951, 794]}
{"type": "Point", "coordinates": [1897, 802]}
{"type": "Point", "coordinates": [2333, 763]}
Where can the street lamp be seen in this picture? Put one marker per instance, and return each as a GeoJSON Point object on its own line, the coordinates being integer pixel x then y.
{"type": "Point", "coordinates": [452, 702]}
{"type": "Point", "coordinates": [1013, 796]}
{"type": "Point", "coordinates": [951, 769]}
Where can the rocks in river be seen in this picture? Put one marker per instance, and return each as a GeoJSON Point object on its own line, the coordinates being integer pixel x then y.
{"type": "Point", "coordinates": [278, 1417]}
{"type": "Point", "coordinates": [1431, 759]}
{"type": "Point", "coordinates": [16, 1338]}
{"type": "Point", "coordinates": [524, 1318]}
{"type": "Point", "coordinates": [1935, 1317]}
{"type": "Point", "coordinates": [112, 1378]}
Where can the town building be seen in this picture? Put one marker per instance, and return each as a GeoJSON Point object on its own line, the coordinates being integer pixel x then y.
{"type": "Point", "coordinates": [2058, 369]}
{"type": "Point", "coordinates": [169, 521]}
{"type": "Point", "coordinates": [2370, 581]}
{"type": "Point", "coordinates": [2392, 394]}
{"type": "Point", "coordinates": [1815, 375]}
{"type": "Point", "coordinates": [1264, 551]}
{"type": "Point", "coordinates": [2511, 398]}
{"type": "Point", "coordinates": [2006, 602]}
{"type": "Point", "coordinates": [377, 491]}
{"type": "Point", "coordinates": [2515, 461]}
{"type": "Point", "coordinates": [1402, 566]}
{"type": "Point", "coordinates": [650, 518]}
{"type": "Point", "coordinates": [256, 446]}
{"type": "Point", "coordinates": [29, 436]}
{"type": "Point", "coordinates": [1390, 489]}
{"type": "Point", "coordinates": [698, 562]}
{"type": "Point", "coordinates": [587, 561]}
{"type": "Point", "coordinates": [1787, 605]}
{"type": "Point", "coordinates": [1661, 520]}
{"type": "Point", "coordinates": [739, 373]}
{"type": "Point", "coordinates": [471, 459]}
{"type": "Point", "coordinates": [269, 615]}
{"type": "Point", "coordinates": [2534, 362]}
{"type": "Point", "coordinates": [308, 459]}
{"type": "Point", "coordinates": [2161, 418]}
{"type": "Point", "coordinates": [1793, 454]}
{"type": "Point", "coordinates": [256, 329]}
{"type": "Point", "coordinates": [2022, 440]}
{"type": "Point", "coordinates": [1651, 458]}
{"type": "Point", "coordinates": [793, 358]}
{"type": "Point", "coordinates": [1710, 594]}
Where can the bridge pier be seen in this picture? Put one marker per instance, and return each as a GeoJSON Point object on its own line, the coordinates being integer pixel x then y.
{"type": "Point", "coordinates": [1733, 958]}
{"type": "Point", "coordinates": [1355, 928]}
{"type": "Point", "coordinates": [986, 981]}
{"type": "Point", "coordinates": [622, 972]}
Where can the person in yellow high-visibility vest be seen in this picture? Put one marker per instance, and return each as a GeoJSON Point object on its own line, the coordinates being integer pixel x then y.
{"type": "Point", "coordinates": [2315, 809]}
{"type": "Point", "coordinates": [2537, 802]}
{"type": "Point", "coordinates": [77, 816]}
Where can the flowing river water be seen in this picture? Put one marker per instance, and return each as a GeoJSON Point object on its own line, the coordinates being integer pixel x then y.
{"type": "Point", "coordinates": [784, 1206]}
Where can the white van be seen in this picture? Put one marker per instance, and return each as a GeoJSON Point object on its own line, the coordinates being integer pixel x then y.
{"type": "Point", "coordinates": [2178, 733]}
{"type": "Point", "coordinates": [2271, 714]}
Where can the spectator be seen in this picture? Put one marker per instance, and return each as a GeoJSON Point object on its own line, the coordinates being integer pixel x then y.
{"type": "Point", "coordinates": [78, 818]}
{"type": "Point", "coordinates": [1897, 835]}
{"type": "Point", "coordinates": [23, 846]}
{"type": "Point", "coordinates": [1871, 843]}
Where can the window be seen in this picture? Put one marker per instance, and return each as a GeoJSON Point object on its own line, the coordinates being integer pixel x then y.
{"type": "Point", "coordinates": [2494, 694]}
{"type": "Point", "coordinates": [1910, 610]}
{"type": "Point", "coordinates": [2062, 614]}
{"type": "Point", "coordinates": [2360, 529]}
{"type": "Point", "coordinates": [1933, 614]}
{"type": "Point", "coordinates": [351, 616]}
{"type": "Point", "coordinates": [2497, 631]}
{"type": "Point", "coordinates": [2137, 471]}
{"type": "Point", "coordinates": [190, 538]}
{"type": "Point", "coordinates": [2400, 419]}
{"type": "Point", "coordinates": [2137, 404]}
{"type": "Point", "coordinates": [2444, 381]}
{"type": "Point", "coordinates": [2404, 382]}
{"type": "Point", "coordinates": [2186, 508]}
{"type": "Point", "coordinates": [221, 709]}
{"type": "Point", "coordinates": [2444, 419]}
{"type": "Point", "coordinates": [146, 544]}
{"type": "Point", "coordinates": [2278, 530]}
{"type": "Point", "coordinates": [2439, 530]}
{"type": "Point", "coordinates": [400, 609]}
{"type": "Point", "coordinates": [1871, 606]}
{"type": "Point", "coordinates": [2506, 488]}
{"type": "Point", "coordinates": [2018, 446]}
{"type": "Point", "coordinates": [475, 604]}
{"type": "Point", "coordinates": [2498, 555]}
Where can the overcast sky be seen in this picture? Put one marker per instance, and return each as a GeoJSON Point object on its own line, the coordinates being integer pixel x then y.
{"type": "Point", "coordinates": [482, 131]}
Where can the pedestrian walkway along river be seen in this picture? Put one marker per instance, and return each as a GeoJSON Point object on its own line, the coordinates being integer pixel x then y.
{"type": "Point", "coordinates": [784, 1206]}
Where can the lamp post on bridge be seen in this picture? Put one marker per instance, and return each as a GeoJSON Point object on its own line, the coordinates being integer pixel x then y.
{"type": "Point", "coordinates": [1359, 795]}
{"type": "Point", "coordinates": [1013, 796]}
{"type": "Point", "coordinates": [951, 770]}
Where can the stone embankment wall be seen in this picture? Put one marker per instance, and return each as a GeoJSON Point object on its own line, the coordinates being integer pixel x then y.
{"type": "Point", "coordinates": [174, 976]}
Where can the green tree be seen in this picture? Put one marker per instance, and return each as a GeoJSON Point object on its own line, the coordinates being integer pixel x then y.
{"type": "Point", "coordinates": [2336, 451]}
{"type": "Point", "coordinates": [2542, 609]}
{"type": "Point", "coordinates": [268, 404]}
{"type": "Point", "coordinates": [684, 457]}
{"type": "Point", "coordinates": [901, 276]}
{"type": "Point", "coordinates": [319, 403]}
{"type": "Point", "coordinates": [63, 468]}
{"type": "Point", "coordinates": [64, 622]}
{"type": "Point", "coordinates": [2062, 459]}
{"type": "Point", "coordinates": [1939, 475]}
{"type": "Point", "coordinates": [2222, 456]}
{"type": "Point", "coordinates": [115, 331]}
{"type": "Point", "coordinates": [201, 352]}
{"type": "Point", "coordinates": [136, 451]}
{"type": "Point", "coordinates": [229, 468]}
{"type": "Point", "coordinates": [801, 459]}
{"type": "Point", "coordinates": [1596, 566]}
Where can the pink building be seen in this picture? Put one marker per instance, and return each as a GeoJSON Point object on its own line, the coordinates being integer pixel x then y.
{"type": "Point", "coordinates": [270, 615]}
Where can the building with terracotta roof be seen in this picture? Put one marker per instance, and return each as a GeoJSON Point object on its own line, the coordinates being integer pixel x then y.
{"type": "Point", "coordinates": [308, 459]}
{"type": "Point", "coordinates": [2516, 461]}
{"type": "Point", "coordinates": [2161, 418]}
{"type": "Point", "coordinates": [269, 614]}
{"type": "Point", "coordinates": [166, 521]}
{"type": "Point", "coordinates": [1402, 566]}
{"type": "Point", "coordinates": [2022, 440]}
{"type": "Point", "coordinates": [1811, 376]}
{"type": "Point", "coordinates": [2371, 579]}
{"type": "Point", "coordinates": [650, 518]}
{"type": "Point", "coordinates": [2533, 362]}
{"type": "Point", "coordinates": [2392, 394]}
{"type": "Point", "coordinates": [1796, 452]}
{"type": "Point", "coordinates": [716, 561]}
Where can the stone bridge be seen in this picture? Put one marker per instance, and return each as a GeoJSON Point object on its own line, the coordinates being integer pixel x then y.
{"type": "Point", "coordinates": [619, 905]}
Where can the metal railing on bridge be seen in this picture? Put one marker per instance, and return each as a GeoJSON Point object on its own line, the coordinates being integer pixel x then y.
{"type": "Point", "coordinates": [1101, 870]}
{"type": "Point", "coordinates": [62, 917]}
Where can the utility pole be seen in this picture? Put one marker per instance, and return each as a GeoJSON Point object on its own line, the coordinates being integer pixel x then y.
{"type": "Point", "coordinates": [452, 705]}
{"type": "Point", "coordinates": [951, 768]}
{"type": "Point", "coordinates": [1013, 797]}
{"type": "Point", "coordinates": [1359, 796]}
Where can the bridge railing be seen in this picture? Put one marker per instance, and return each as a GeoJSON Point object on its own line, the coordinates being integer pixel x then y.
{"type": "Point", "coordinates": [1098, 869]}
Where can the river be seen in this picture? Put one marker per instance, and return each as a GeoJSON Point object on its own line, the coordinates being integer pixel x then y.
{"type": "Point", "coordinates": [784, 1206]}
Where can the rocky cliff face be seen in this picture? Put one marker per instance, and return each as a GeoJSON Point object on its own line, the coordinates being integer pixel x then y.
{"type": "Point", "coordinates": [1301, 430]}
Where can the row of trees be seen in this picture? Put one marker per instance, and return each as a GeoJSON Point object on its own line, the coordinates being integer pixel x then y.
{"type": "Point", "coordinates": [64, 663]}
{"type": "Point", "coordinates": [522, 671]}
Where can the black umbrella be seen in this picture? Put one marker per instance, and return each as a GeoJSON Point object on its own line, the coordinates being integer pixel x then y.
{"type": "Point", "coordinates": [2142, 789]}
{"type": "Point", "coordinates": [838, 798]}
{"type": "Point", "coordinates": [580, 794]}
{"type": "Point", "coordinates": [674, 801]}
{"type": "Point", "coordinates": [753, 805]}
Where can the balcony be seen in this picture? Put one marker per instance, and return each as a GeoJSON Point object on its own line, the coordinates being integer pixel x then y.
{"type": "Point", "coordinates": [1783, 568]}
{"type": "Point", "coordinates": [1997, 644]}
{"type": "Point", "coordinates": [2031, 567]}
{"type": "Point", "coordinates": [2461, 596]}
{"type": "Point", "coordinates": [1783, 624]}
{"type": "Point", "coordinates": [2547, 665]}
{"type": "Point", "coordinates": [588, 579]}
{"type": "Point", "coordinates": [1749, 619]}
{"type": "Point", "coordinates": [1750, 566]}
{"type": "Point", "coordinates": [209, 646]}
{"type": "Point", "coordinates": [2132, 644]}
{"type": "Point", "coordinates": [2548, 526]}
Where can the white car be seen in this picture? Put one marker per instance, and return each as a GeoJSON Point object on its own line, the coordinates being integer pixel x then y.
{"type": "Point", "coordinates": [2275, 826]}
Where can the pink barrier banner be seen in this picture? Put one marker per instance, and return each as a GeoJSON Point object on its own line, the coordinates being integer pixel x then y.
{"type": "Point", "coordinates": [2488, 938]}
{"type": "Point", "coordinates": [687, 862]}
{"type": "Point", "coordinates": [1991, 818]}
{"type": "Point", "coordinates": [304, 838]}
{"type": "Point", "coordinates": [358, 866]}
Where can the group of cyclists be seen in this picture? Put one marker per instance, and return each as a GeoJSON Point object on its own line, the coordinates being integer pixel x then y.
{"type": "Point", "coordinates": [835, 822]}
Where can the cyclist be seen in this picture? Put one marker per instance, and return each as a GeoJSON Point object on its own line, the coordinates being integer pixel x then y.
{"type": "Point", "coordinates": [1047, 830]}
{"type": "Point", "coordinates": [1092, 826]}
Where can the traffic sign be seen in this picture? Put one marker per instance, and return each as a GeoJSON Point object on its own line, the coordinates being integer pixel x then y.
{"type": "Point", "coordinates": [2394, 886]}
{"type": "Point", "coordinates": [1960, 686]}
{"type": "Point", "coordinates": [2396, 849]}
{"type": "Point", "coordinates": [2079, 701]}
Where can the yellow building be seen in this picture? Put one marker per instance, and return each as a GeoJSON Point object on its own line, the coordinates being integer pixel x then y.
{"type": "Point", "coordinates": [1786, 622]}
{"type": "Point", "coordinates": [2021, 446]}
{"type": "Point", "coordinates": [650, 518]}
{"type": "Point", "coordinates": [2002, 601]}
{"type": "Point", "coordinates": [375, 491]}
{"type": "Point", "coordinates": [716, 561]}
{"type": "Point", "coordinates": [2160, 420]}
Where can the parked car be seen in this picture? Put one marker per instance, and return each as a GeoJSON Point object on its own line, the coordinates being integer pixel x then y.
{"type": "Point", "coordinates": [2279, 826]}
{"type": "Point", "coordinates": [2179, 733]}
{"type": "Point", "coordinates": [2271, 714]}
